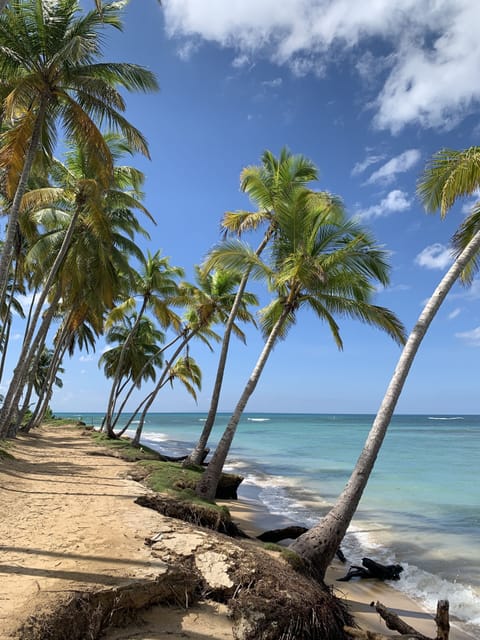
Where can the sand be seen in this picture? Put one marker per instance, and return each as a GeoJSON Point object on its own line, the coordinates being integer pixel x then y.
{"type": "Point", "coordinates": [69, 523]}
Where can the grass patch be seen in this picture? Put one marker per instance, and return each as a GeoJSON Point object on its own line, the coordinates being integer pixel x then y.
{"type": "Point", "coordinates": [175, 480]}
{"type": "Point", "coordinates": [123, 447]}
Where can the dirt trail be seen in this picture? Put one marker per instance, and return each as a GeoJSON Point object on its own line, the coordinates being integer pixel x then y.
{"type": "Point", "coordinates": [67, 522]}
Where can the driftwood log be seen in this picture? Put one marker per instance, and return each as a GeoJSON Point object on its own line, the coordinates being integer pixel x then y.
{"type": "Point", "coordinates": [372, 569]}
{"type": "Point", "coordinates": [395, 623]}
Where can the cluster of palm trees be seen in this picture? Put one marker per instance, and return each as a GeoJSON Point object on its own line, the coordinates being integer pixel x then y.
{"type": "Point", "coordinates": [70, 245]}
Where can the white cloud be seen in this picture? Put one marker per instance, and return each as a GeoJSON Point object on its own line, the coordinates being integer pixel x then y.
{"type": "Point", "coordinates": [88, 358]}
{"type": "Point", "coordinates": [429, 47]}
{"type": "Point", "coordinates": [399, 164]}
{"type": "Point", "coordinates": [360, 167]}
{"type": "Point", "coordinates": [435, 256]}
{"type": "Point", "coordinates": [394, 202]}
{"type": "Point", "coordinates": [472, 292]}
{"type": "Point", "coordinates": [455, 313]}
{"type": "Point", "coordinates": [471, 337]}
{"type": "Point", "coordinates": [273, 84]}
{"type": "Point", "coordinates": [468, 206]}
{"type": "Point", "coordinates": [241, 61]}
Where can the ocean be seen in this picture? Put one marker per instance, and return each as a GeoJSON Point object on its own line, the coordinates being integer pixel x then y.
{"type": "Point", "coordinates": [421, 508]}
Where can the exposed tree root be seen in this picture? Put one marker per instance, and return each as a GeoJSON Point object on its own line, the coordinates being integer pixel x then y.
{"type": "Point", "coordinates": [87, 615]}
{"type": "Point", "coordinates": [193, 513]}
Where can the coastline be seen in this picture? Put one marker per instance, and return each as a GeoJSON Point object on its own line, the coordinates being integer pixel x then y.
{"type": "Point", "coordinates": [253, 517]}
{"type": "Point", "coordinates": [71, 523]}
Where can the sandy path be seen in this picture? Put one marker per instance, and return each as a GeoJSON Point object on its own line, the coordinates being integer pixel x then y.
{"type": "Point", "coordinates": [68, 521]}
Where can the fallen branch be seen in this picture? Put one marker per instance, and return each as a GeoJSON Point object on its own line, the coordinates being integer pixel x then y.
{"type": "Point", "coordinates": [395, 623]}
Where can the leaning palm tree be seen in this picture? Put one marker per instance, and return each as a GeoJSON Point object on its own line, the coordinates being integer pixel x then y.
{"type": "Point", "coordinates": [155, 287]}
{"type": "Point", "coordinates": [319, 261]}
{"type": "Point", "coordinates": [82, 219]}
{"type": "Point", "coordinates": [139, 360]}
{"type": "Point", "coordinates": [208, 303]}
{"type": "Point", "coordinates": [52, 74]}
{"type": "Point", "coordinates": [267, 185]}
{"type": "Point", "coordinates": [449, 175]}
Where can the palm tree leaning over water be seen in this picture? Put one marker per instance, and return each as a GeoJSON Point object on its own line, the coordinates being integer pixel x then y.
{"type": "Point", "coordinates": [51, 72]}
{"type": "Point", "coordinates": [320, 261]}
{"type": "Point", "coordinates": [449, 175]}
{"type": "Point", "coordinates": [267, 185]}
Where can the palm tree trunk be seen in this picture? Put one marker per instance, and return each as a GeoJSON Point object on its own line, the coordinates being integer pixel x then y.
{"type": "Point", "coordinates": [4, 344]}
{"type": "Point", "coordinates": [42, 404]}
{"type": "Point", "coordinates": [27, 352]}
{"type": "Point", "coordinates": [118, 374]}
{"type": "Point", "coordinates": [160, 383]}
{"type": "Point", "coordinates": [318, 546]}
{"type": "Point", "coordinates": [16, 386]}
{"type": "Point", "coordinates": [198, 453]}
{"type": "Point", "coordinates": [207, 486]}
{"type": "Point", "coordinates": [134, 384]}
{"type": "Point", "coordinates": [44, 397]}
{"type": "Point", "coordinates": [14, 212]}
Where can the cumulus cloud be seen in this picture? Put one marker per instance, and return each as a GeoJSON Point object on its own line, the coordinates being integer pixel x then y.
{"type": "Point", "coordinates": [387, 172]}
{"type": "Point", "coordinates": [471, 337]}
{"type": "Point", "coordinates": [360, 167]}
{"type": "Point", "coordinates": [428, 47]}
{"type": "Point", "coordinates": [435, 256]}
{"type": "Point", "coordinates": [272, 84]}
{"type": "Point", "coordinates": [394, 202]}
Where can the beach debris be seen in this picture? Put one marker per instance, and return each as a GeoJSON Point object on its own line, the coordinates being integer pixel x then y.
{"type": "Point", "coordinates": [372, 569]}
{"type": "Point", "coordinates": [395, 623]}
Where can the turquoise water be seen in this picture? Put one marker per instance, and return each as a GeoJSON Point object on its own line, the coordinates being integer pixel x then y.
{"type": "Point", "coordinates": [421, 507]}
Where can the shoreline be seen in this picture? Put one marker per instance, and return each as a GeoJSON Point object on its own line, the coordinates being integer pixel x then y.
{"type": "Point", "coordinates": [70, 523]}
{"type": "Point", "coordinates": [253, 517]}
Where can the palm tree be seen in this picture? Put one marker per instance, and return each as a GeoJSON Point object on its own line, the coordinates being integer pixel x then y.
{"type": "Point", "coordinates": [208, 303]}
{"type": "Point", "coordinates": [319, 261]}
{"type": "Point", "coordinates": [448, 176]}
{"type": "Point", "coordinates": [139, 359]}
{"type": "Point", "coordinates": [82, 249]}
{"type": "Point", "coordinates": [50, 70]}
{"type": "Point", "coordinates": [267, 185]}
{"type": "Point", "coordinates": [156, 286]}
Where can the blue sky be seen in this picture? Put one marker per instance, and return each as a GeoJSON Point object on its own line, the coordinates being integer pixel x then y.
{"type": "Point", "coordinates": [368, 96]}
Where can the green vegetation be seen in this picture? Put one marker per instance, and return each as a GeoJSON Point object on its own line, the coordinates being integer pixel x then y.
{"type": "Point", "coordinates": [123, 448]}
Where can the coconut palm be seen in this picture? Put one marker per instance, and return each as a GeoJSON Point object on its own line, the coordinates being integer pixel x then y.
{"type": "Point", "coordinates": [88, 239]}
{"type": "Point", "coordinates": [267, 185]}
{"type": "Point", "coordinates": [448, 176]}
{"type": "Point", "coordinates": [51, 74]}
{"type": "Point", "coordinates": [320, 261]}
{"type": "Point", "coordinates": [156, 287]}
{"type": "Point", "coordinates": [208, 303]}
{"type": "Point", "coordinates": [139, 361]}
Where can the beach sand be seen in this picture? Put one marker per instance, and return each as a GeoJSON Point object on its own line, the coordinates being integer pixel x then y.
{"type": "Point", "coordinates": [69, 523]}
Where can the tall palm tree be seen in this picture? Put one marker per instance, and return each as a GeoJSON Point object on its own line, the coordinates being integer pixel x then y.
{"type": "Point", "coordinates": [156, 287]}
{"type": "Point", "coordinates": [82, 248]}
{"type": "Point", "coordinates": [208, 303]}
{"type": "Point", "coordinates": [51, 73]}
{"type": "Point", "coordinates": [449, 175]}
{"type": "Point", "coordinates": [319, 261]}
{"type": "Point", "coordinates": [139, 360]}
{"type": "Point", "coordinates": [267, 185]}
